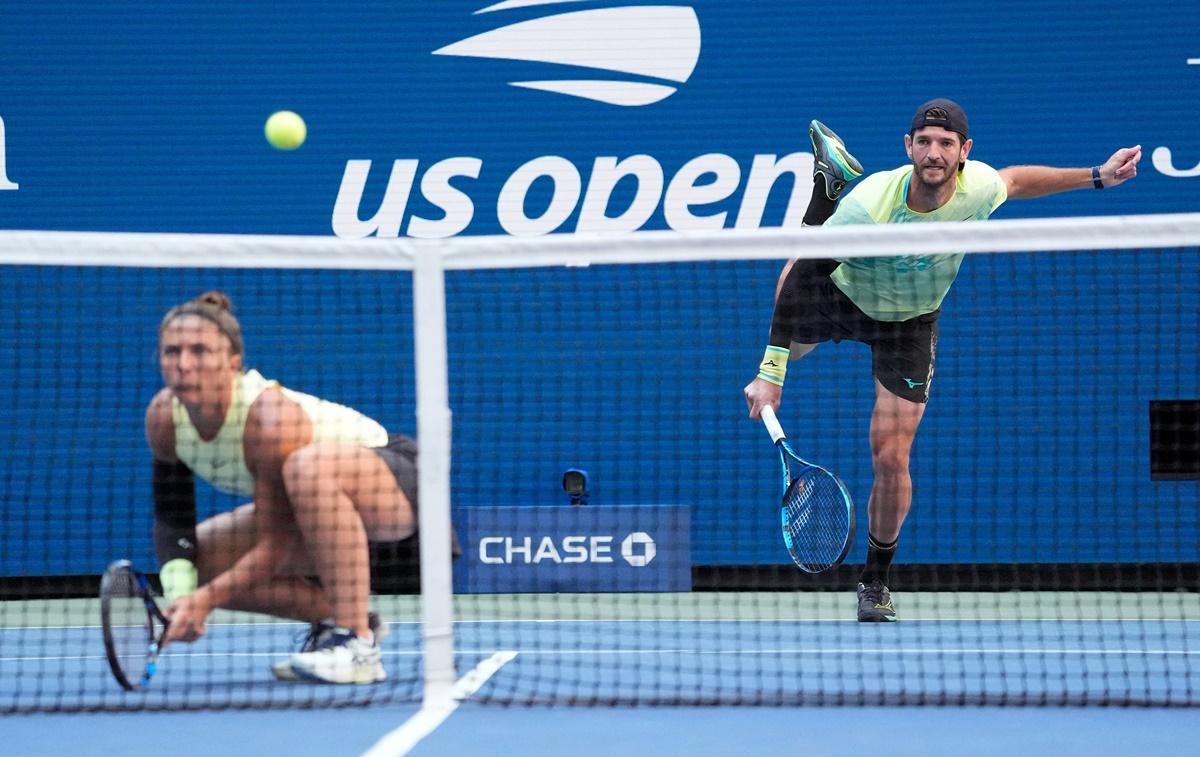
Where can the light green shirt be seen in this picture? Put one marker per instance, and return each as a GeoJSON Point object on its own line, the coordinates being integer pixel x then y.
{"type": "Point", "coordinates": [221, 461]}
{"type": "Point", "coordinates": [905, 286]}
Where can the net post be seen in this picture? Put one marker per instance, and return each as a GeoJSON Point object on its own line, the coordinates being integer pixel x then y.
{"type": "Point", "coordinates": [433, 433]}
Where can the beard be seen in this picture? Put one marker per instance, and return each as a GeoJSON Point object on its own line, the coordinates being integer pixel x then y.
{"type": "Point", "coordinates": [948, 174]}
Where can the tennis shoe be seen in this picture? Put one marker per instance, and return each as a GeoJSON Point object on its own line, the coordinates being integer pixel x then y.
{"type": "Point", "coordinates": [316, 635]}
{"type": "Point", "coordinates": [875, 603]}
{"type": "Point", "coordinates": [832, 160]}
{"type": "Point", "coordinates": [342, 657]}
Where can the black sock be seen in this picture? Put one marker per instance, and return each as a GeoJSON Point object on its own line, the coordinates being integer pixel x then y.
{"type": "Point", "coordinates": [820, 207]}
{"type": "Point", "coordinates": [879, 560]}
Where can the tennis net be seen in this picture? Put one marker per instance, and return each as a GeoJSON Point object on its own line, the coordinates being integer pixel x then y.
{"type": "Point", "coordinates": [618, 513]}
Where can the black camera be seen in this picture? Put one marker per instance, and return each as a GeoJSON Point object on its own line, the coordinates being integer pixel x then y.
{"type": "Point", "coordinates": [575, 484]}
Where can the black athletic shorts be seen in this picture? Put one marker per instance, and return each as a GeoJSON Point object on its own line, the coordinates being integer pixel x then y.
{"type": "Point", "coordinates": [400, 455]}
{"type": "Point", "coordinates": [395, 565]}
{"type": "Point", "coordinates": [902, 352]}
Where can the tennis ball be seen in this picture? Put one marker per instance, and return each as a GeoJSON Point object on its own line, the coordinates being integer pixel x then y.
{"type": "Point", "coordinates": [285, 130]}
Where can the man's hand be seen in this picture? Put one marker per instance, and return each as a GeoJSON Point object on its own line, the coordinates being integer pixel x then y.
{"type": "Point", "coordinates": [186, 615]}
{"type": "Point", "coordinates": [1121, 167]}
{"type": "Point", "coordinates": [760, 393]}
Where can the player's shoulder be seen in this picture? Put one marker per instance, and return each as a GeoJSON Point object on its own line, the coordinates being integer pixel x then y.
{"type": "Point", "coordinates": [978, 173]}
{"type": "Point", "coordinates": [983, 185]}
{"type": "Point", "coordinates": [159, 409]}
{"type": "Point", "coordinates": [160, 425]}
{"type": "Point", "coordinates": [872, 199]}
{"type": "Point", "coordinates": [275, 419]}
{"type": "Point", "coordinates": [273, 406]}
{"type": "Point", "coordinates": [881, 180]}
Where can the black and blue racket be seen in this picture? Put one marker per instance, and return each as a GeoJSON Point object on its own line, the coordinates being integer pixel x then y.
{"type": "Point", "coordinates": [133, 625]}
{"type": "Point", "coordinates": [817, 513]}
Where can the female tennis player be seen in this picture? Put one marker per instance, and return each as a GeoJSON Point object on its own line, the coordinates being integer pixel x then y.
{"type": "Point", "coordinates": [324, 480]}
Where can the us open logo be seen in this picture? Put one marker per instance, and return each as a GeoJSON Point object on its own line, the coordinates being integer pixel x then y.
{"type": "Point", "coordinates": [656, 42]}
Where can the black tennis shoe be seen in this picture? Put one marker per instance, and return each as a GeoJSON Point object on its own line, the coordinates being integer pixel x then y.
{"type": "Point", "coordinates": [875, 603]}
{"type": "Point", "coordinates": [832, 160]}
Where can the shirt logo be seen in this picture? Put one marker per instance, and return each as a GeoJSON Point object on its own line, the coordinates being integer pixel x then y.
{"type": "Point", "coordinates": [660, 42]}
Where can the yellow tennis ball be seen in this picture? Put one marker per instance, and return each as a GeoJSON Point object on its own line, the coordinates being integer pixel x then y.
{"type": "Point", "coordinates": [285, 130]}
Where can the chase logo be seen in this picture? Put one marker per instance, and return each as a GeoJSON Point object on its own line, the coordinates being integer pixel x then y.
{"type": "Point", "coordinates": [656, 42]}
{"type": "Point", "coordinates": [638, 549]}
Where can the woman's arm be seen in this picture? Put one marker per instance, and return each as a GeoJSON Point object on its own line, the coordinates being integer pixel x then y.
{"type": "Point", "coordinates": [174, 490]}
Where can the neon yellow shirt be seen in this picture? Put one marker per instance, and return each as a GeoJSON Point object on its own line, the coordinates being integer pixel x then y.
{"type": "Point", "coordinates": [221, 461]}
{"type": "Point", "coordinates": [905, 286]}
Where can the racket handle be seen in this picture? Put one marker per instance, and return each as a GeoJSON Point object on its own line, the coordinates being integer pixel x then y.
{"type": "Point", "coordinates": [772, 423]}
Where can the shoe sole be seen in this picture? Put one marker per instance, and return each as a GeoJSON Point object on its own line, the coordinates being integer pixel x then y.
{"type": "Point", "coordinates": [836, 150]}
{"type": "Point", "coordinates": [838, 167]}
{"type": "Point", "coordinates": [283, 671]}
{"type": "Point", "coordinates": [358, 680]}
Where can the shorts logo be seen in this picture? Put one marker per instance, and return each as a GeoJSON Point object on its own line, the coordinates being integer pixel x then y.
{"type": "Point", "coordinates": [659, 42]}
{"type": "Point", "coordinates": [913, 384]}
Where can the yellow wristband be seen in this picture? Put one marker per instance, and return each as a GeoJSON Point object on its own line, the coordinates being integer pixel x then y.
{"type": "Point", "coordinates": [178, 578]}
{"type": "Point", "coordinates": [774, 365]}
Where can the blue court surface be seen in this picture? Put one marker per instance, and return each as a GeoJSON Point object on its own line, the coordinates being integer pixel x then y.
{"type": "Point", "coordinates": [536, 732]}
{"type": "Point", "coordinates": [659, 676]}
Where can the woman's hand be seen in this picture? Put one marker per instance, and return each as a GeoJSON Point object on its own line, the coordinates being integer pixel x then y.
{"type": "Point", "coordinates": [186, 615]}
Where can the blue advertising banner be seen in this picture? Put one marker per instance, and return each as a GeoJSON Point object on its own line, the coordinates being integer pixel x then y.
{"type": "Point", "coordinates": [536, 117]}
{"type": "Point", "coordinates": [569, 549]}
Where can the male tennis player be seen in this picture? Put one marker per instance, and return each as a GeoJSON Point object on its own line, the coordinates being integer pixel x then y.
{"type": "Point", "coordinates": [324, 479]}
{"type": "Point", "coordinates": [893, 304]}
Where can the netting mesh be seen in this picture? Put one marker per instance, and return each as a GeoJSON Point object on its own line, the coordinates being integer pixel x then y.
{"type": "Point", "coordinates": [1049, 556]}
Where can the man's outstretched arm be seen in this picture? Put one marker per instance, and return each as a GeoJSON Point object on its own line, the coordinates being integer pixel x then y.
{"type": "Point", "coordinates": [1025, 182]}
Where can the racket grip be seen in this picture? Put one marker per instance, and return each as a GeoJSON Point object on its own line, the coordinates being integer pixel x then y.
{"type": "Point", "coordinates": [772, 423]}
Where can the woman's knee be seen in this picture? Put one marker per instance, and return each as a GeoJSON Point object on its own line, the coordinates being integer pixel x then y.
{"type": "Point", "coordinates": [301, 472]}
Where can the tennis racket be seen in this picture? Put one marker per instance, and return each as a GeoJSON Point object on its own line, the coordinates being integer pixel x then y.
{"type": "Point", "coordinates": [133, 625]}
{"type": "Point", "coordinates": [817, 513]}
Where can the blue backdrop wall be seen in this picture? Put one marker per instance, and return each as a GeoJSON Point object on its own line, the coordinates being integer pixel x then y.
{"type": "Point", "coordinates": [148, 117]}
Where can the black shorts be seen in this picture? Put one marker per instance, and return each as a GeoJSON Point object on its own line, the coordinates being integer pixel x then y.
{"type": "Point", "coordinates": [902, 352]}
{"type": "Point", "coordinates": [395, 565]}
{"type": "Point", "coordinates": [400, 456]}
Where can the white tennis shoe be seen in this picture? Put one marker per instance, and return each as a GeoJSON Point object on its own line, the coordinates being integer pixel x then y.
{"type": "Point", "coordinates": [341, 658]}
{"type": "Point", "coordinates": [316, 637]}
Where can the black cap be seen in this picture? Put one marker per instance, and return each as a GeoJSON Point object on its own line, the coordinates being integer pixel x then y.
{"type": "Point", "coordinates": [944, 113]}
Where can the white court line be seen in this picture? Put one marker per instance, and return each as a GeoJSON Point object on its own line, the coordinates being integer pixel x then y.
{"type": "Point", "coordinates": [698, 651]}
{"type": "Point", "coordinates": [98, 627]}
{"type": "Point", "coordinates": [853, 651]}
{"type": "Point", "coordinates": [551, 621]}
{"type": "Point", "coordinates": [850, 621]}
{"type": "Point", "coordinates": [187, 654]}
{"type": "Point", "coordinates": [1194, 61]}
{"type": "Point", "coordinates": [430, 716]}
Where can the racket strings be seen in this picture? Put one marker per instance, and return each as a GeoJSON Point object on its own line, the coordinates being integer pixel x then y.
{"type": "Point", "coordinates": [129, 625]}
{"type": "Point", "coordinates": [818, 521]}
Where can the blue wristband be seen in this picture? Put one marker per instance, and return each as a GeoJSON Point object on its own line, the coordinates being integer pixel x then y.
{"type": "Point", "coordinates": [1096, 178]}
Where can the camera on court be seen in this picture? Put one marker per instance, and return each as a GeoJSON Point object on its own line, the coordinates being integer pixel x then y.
{"type": "Point", "coordinates": [575, 484]}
